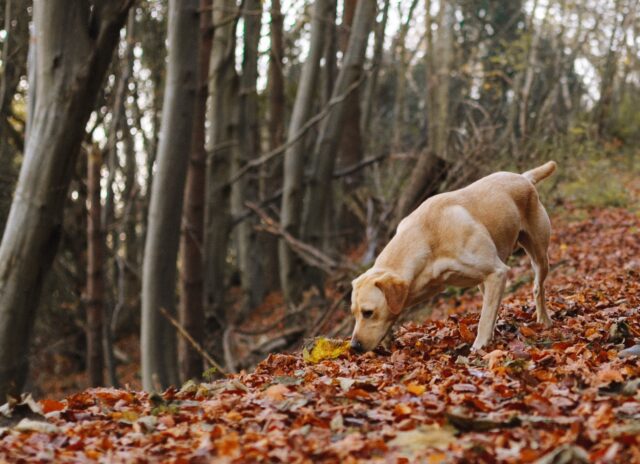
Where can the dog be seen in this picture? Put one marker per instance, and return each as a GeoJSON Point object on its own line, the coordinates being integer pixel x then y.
{"type": "Point", "coordinates": [461, 238]}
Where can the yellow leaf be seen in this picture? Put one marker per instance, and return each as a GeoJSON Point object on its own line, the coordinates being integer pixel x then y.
{"type": "Point", "coordinates": [324, 348]}
{"type": "Point", "coordinates": [416, 389]}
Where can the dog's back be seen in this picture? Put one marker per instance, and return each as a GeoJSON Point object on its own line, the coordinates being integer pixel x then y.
{"type": "Point", "coordinates": [502, 202]}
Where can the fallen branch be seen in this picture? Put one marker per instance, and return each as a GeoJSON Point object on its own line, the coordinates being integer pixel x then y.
{"type": "Point", "coordinates": [324, 316]}
{"type": "Point", "coordinates": [308, 253]}
{"type": "Point", "coordinates": [194, 344]}
{"type": "Point", "coordinates": [360, 165]}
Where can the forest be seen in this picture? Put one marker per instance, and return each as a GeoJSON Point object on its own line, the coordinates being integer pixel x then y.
{"type": "Point", "coordinates": [188, 189]}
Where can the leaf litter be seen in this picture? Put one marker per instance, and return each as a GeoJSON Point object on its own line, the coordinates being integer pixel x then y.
{"type": "Point", "coordinates": [568, 393]}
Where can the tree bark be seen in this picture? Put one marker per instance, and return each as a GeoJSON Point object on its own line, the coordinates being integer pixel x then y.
{"type": "Point", "coordinates": [223, 91]}
{"type": "Point", "coordinates": [332, 126]}
{"type": "Point", "coordinates": [191, 311]}
{"type": "Point", "coordinates": [75, 46]}
{"type": "Point", "coordinates": [95, 271]}
{"type": "Point", "coordinates": [294, 155]}
{"type": "Point", "coordinates": [401, 58]}
{"type": "Point", "coordinates": [271, 173]}
{"type": "Point", "coordinates": [372, 82]}
{"type": "Point", "coordinates": [350, 151]}
{"type": "Point", "coordinates": [158, 339]}
{"type": "Point", "coordinates": [532, 65]}
{"type": "Point", "coordinates": [424, 176]}
{"type": "Point", "coordinates": [246, 189]}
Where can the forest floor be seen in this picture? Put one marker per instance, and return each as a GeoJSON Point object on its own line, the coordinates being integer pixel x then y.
{"type": "Point", "coordinates": [553, 395]}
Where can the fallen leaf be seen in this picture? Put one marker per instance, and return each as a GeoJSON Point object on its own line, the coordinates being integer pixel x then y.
{"type": "Point", "coordinates": [324, 348]}
{"type": "Point", "coordinates": [424, 437]}
{"type": "Point", "coordinates": [28, 425]}
{"type": "Point", "coordinates": [416, 389]}
{"type": "Point", "coordinates": [51, 405]}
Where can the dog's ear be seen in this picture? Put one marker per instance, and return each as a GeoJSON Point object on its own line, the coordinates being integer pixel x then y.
{"type": "Point", "coordinates": [395, 291]}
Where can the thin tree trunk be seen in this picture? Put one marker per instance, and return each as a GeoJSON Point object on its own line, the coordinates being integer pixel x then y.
{"type": "Point", "coordinates": [350, 150]}
{"type": "Point", "coordinates": [271, 173]}
{"type": "Point", "coordinates": [376, 63]}
{"type": "Point", "coordinates": [438, 63]}
{"type": "Point", "coordinates": [277, 101]}
{"type": "Point", "coordinates": [191, 309]}
{"type": "Point", "coordinates": [607, 78]}
{"type": "Point", "coordinates": [73, 54]}
{"type": "Point", "coordinates": [95, 272]}
{"type": "Point", "coordinates": [158, 339]}
{"type": "Point", "coordinates": [402, 64]}
{"type": "Point", "coordinates": [332, 126]}
{"type": "Point", "coordinates": [223, 91]}
{"type": "Point", "coordinates": [245, 189]}
{"type": "Point", "coordinates": [532, 65]}
{"type": "Point", "coordinates": [294, 155]}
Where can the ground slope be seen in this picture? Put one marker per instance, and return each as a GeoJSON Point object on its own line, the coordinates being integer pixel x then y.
{"type": "Point", "coordinates": [535, 394]}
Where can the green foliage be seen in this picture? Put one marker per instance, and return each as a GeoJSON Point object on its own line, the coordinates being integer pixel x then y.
{"type": "Point", "coordinates": [592, 172]}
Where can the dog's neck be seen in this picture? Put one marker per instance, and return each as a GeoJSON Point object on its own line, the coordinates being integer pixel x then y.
{"type": "Point", "coordinates": [405, 259]}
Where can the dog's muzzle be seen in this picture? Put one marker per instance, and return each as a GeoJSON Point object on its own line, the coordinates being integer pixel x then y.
{"type": "Point", "coordinates": [357, 346]}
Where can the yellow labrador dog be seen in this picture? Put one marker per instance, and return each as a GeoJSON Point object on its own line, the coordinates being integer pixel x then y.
{"type": "Point", "coordinates": [461, 238]}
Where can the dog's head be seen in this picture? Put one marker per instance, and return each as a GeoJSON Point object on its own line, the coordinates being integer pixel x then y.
{"type": "Point", "coordinates": [376, 302]}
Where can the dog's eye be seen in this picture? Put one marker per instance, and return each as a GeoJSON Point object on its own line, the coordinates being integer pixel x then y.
{"type": "Point", "coordinates": [367, 313]}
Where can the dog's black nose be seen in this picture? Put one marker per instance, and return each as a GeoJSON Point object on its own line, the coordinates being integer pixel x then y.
{"type": "Point", "coordinates": [356, 346]}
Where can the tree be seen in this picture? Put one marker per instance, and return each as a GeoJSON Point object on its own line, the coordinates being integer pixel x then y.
{"type": "Point", "coordinates": [324, 157]}
{"type": "Point", "coordinates": [191, 311]}
{"type": "Point", "coordinates": [13, 54]}
{"type": "Point", "coordinates": [75, 42]}
{"type": "Point", "coordinates": [158, 345]}
{"type": "Point", "coordinates": [95, 271]}
{"type": "Point", "coordinates": [438, 66]}
{"type": "Point", "coordinates": [223, 91]}
{"type": "Point", "coordinates": [245, 189]}
{"type": "Point", "coordinates": [292, 192]}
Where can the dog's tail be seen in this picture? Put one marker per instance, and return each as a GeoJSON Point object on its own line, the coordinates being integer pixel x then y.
{"type": "Point", "coordinates": [535, 175]}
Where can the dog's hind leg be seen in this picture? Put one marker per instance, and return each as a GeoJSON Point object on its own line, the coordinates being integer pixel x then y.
{"type": "Point", "coordinates": [535, 241]}
{"type": "Point", "coordinates": [493, 289]}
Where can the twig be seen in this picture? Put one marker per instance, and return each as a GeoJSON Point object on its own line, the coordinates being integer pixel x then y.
{"type": "Point", "coordinates": [346, 322]}
{"type": "Point", "coordinates": [303, 130]}
{"type": "Point", "coordinates": [196, 346]}
{"type": "Point", "coordinates": [310, 254]}
{"type": "Point", "coordinates": [336, 175]}
{"type": "Point", "coordinates": [324, 316]}
{"type": "Point", "coordinates": [360, 165]}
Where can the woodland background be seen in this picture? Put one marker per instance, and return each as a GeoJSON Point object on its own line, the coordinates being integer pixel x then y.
{"type": "Point", "coordinates": [232, 165]}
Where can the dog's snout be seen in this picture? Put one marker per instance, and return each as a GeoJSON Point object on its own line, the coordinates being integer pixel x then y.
{"type": "Point", "coordinates": [356, 346]}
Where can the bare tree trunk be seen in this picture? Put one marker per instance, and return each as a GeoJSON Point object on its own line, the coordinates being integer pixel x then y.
{"type": "Point", "coordinates": [332, 126]}
{"type": "Point", "coordinates": [350, 150]}
{"type": "Point", "coordinates": [75, 45]}
{"type": "Point", "coordinates": [191, 303]}
{"type": "Point", "coordinates": [95, 271]}
{"type": "Point", "coordinates": [402, 64]}
{"type": "Point", "coordinates": [607, 77]}
{"type": "Point", "coordinates": [438, 65]}
{"type": "Point", "coordinates": [158, 339]}
{"type": "Point", "coordinates": [245, 189]}
{"type": "Point", "coordinates": [223, 90]}
{"type": "Point", "coordinates": [372, 82]}
{"type": "Point", "coordinates": [271, 174]}
{"type": "Point", "coordinates": [532, 65]}
{"type": "Point", "coordinates": [294, 155]}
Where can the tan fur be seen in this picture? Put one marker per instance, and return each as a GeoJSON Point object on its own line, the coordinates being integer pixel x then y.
{"type": "Point", "coordinates": [460, 238]}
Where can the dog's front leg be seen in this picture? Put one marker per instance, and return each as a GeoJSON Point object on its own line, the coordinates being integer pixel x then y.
{"type": "Point", "coordinates": [493, 289]}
